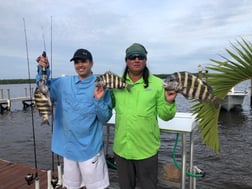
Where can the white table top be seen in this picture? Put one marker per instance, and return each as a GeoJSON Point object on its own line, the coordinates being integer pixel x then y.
{"type": "Point", "coordinates": [182, 122]}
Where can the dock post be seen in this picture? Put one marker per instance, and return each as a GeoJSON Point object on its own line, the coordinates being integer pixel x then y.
{"type": "Point", "coordinates": [60, 182]}
{"type": "Point", "coordinates": [1, 94]}
{"type": "Point", "coordinates": [5, 105]}
{"type": "Point", "coordinates": [29, 102]}
{"type": "Point", "coordinates": [192, 180]}
{"type": "Point", "coordinates": [37, 186]}
{"type": "Point", "coordinates": [2, 108]}
{"type": "Point", "coordinates": [31, 92]}
{"type": "Point", "coordinates": [25, 92]}
{"type": "Point", "coordinates": [183, 176]}
{"type": "Point", "coordinates": [8, 105]}
{"type": "Point", "coordinates": [8, 101]}
{"type": "Point", "coordinates": [49, 179]}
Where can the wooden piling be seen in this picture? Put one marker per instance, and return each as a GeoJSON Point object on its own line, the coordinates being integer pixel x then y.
{"type": "Point", "coordinates": [3, 107]}
{"type": "Point", "coordinates": [5, 103]}
{"type": "Point", "coordinates": [27, 103]}
{"type": "Point", "coordinates": [1, 93]}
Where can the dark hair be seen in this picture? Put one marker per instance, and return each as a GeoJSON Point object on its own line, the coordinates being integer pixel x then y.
{"type": "Point", "coordinates": [146, 74]}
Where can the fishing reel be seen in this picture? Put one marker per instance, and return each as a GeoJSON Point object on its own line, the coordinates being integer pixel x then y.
{"type": "Point", "coordinates": [44, 54]}
{"type": "Point", "coordinates": [29, 178]}
{"type": "Point", "coordinates": [54, 183]}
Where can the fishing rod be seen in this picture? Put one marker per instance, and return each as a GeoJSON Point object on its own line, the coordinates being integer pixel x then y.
{"type": "Point", "coordinates": [30, 177]}
{"type": "Point", "coordinates": [54, 180]}
{"type": "Point", "coordinates": [43, 36]}
{"type": "Point", "coordinates": [52, 103]}
{"type": "Point", "coordinates": [44, 70]}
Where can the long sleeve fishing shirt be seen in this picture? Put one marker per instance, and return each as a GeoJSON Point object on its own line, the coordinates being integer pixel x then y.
{"type": "Point", "coordinates": [79, 117]}
{"type": "Point", "coordinates": [137, 134]}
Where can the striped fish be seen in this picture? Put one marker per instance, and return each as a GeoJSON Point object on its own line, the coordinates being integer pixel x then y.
{"type": "Point", "coordinates": [190, 86]}
{"type": "Point", "coordinates": [43, 102]}
{"type": "Point", "coordinates": [111, 81]}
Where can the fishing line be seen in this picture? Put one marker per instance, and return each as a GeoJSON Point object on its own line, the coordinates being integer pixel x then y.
{"type": "Point", "coordinates": [58, 159]}
{"type": "Point", "coordinates": [52, 112]}
{"type": "Point", "coordinates": [43, 36]}
{"type": "Point", "coordinates": [54, 180]}
{"type": "Point", "coordinates": [29, 76]}
{"type": "Point", "coordinates": [52, 115]}
{"type": "Point", "coordinates": [44, 42]}
{"type": "Point", "coordinates": [51, 47]}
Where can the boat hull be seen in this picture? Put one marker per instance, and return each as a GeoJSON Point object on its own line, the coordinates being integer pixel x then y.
{"type": "Point", "coordinates": [233, 100]}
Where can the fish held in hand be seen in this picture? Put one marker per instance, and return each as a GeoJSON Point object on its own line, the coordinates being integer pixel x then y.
{"type": "Point", "coordinates": [43, 102]}
{"type": "Point", "coordinates": [111, 81]}
{"type": "Point", "coordinates": [191, 87]}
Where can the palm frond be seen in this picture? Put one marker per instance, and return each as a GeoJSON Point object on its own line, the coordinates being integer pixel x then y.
{"type": "Point", "coordinates": [224, 76]}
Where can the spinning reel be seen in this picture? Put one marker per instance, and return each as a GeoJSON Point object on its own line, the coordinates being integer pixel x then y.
{"type": "Point", "coordinates": [29, 178]}
{"type": "Point", "coordinates": [54, 183]}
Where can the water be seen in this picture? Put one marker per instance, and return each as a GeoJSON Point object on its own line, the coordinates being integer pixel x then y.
{"type": "Point", "coordinates": [231, 169]}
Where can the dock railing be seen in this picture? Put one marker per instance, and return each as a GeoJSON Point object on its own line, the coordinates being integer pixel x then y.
{"type": "Point", "coordinates": [5, 102]}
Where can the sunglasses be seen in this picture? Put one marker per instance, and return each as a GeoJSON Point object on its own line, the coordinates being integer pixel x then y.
{"type": "Point", "coordinates": [133, 57]}
{"type": "Point", "coordinates": [80, 61]}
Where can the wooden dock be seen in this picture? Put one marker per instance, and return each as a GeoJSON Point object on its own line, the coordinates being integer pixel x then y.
{"type": "Point", "coordinates": [5, 102]}
{"type": "Point", "coordinates": [12, 176]}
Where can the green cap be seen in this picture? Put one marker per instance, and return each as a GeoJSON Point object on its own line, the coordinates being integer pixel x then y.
{"type": "Point", "coordinates": [136, 48]}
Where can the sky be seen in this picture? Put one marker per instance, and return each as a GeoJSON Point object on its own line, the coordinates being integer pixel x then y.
{"type": "Point", "coordinates": [178, 35]}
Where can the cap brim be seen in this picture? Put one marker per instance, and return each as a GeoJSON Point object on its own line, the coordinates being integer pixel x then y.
{"type": "Point", "coordinates": [78, 58]}
{"type": "Point", "coordinates": [136, 52]}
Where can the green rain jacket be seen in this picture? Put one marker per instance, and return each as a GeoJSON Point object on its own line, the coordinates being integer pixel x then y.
{"type": "Point", "coordinates": [137, 134]}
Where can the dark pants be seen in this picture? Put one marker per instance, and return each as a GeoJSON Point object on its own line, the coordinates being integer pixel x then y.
{"type": "Point", "coordinates": [145, 171]}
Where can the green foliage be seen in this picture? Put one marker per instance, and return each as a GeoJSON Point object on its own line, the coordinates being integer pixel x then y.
{"type": "Point", "coordinates": [17, 81]}
{"type": "Point", "coordinates": [223, 75]}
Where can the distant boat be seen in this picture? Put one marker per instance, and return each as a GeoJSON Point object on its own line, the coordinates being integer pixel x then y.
{"type": "Point", "coordinates": [234, 99]}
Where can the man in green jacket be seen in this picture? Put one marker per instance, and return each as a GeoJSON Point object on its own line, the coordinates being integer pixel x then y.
{"type": "Point", "coordinates": [137, 134]}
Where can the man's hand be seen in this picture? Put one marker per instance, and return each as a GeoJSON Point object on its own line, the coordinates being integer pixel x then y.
{"type": "Point", "coordinates": [43, 61]}
{"type": "Point", "coordinates": [170, 95]}
{"type": "Point", "coordinates": [99, 92]}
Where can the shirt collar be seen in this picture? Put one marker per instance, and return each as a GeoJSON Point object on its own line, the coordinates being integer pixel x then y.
{"type": "Point", "coordinates": [86, 80]}
{"type": "Point", "coordinates": [131, 82]}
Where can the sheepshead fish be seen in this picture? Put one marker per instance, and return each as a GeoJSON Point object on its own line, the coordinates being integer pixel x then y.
{"type": "Point", "coordinates": [43, 102]}
{"type": "Point", "coordinates": [190, 86]}
{"type": "Point", "coordinates": [111, 81]}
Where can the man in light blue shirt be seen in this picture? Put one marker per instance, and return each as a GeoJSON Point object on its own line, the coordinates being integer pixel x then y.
{"type": "Point", "coordinates": [81, 109]}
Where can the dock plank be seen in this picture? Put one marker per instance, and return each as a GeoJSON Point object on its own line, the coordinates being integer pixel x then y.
{"type": "Point", "coordinates": [12, 176]}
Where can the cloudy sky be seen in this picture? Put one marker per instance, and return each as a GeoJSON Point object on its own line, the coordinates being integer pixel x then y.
{"type": "Point", "coordinates": [179, 35]}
